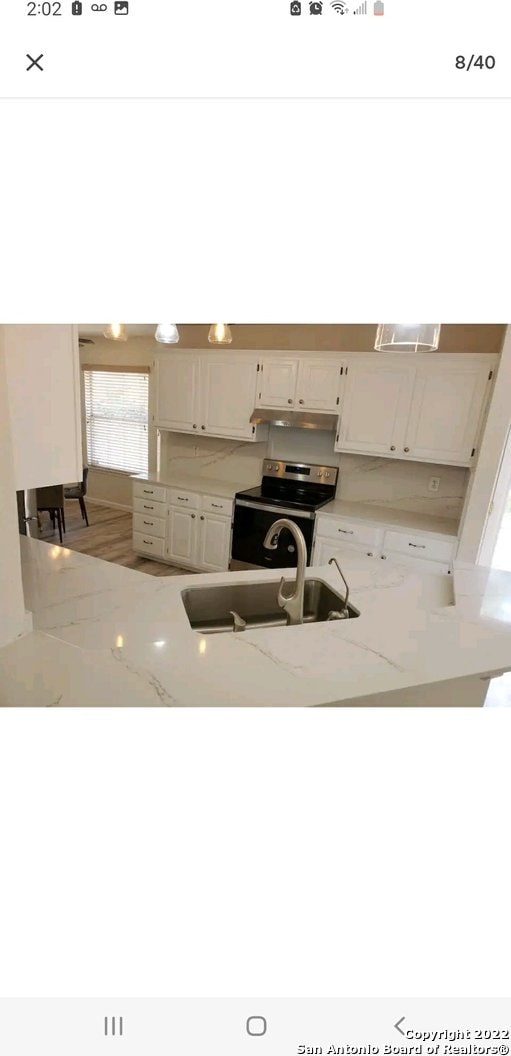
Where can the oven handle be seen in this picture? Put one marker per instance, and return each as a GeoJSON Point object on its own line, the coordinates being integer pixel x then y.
{"type": "Point", "coordinates": [292, 514]}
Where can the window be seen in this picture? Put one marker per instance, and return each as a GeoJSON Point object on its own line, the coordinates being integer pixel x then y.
{"type": "Point", "coordinates": [116, 412]}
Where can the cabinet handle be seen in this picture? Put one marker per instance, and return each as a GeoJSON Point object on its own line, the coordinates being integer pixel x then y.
{"type": "Point", "coordinates": [193, 516]}
{"type": "Point", "coordinates": [407, 449]}
{"type": "Point", "coordinates": [289, 401]}
{"type": "Point", "coordinates": [370, 553]}
{"type": "Point", "coordinates": [300, 401]}
{"type": "Point", "coordinates": [384, 557]}
{"type": "Point", "coordinates": [346, 531]}
{"type": "Point", "coordinates": [195, 427]}
{"type": "Point", "coordinates": [182, 498]}
{"type": "Point", "coordinates": [202, 518]}
{"type": "Point", "coordinates": [217, 505]}
{"type": "Point", "coordinates": [203, 426]}
{"type": "Point", "coordinates": [418, 546]}
{"type": "Point", "coordinates": [147, 492]}
{"type": "Point", "coordinates": [393, 448]}
{"type": "Point", "coordinates": [149, 523]}
{"type": "Point", "coordinates": [148, 507]}
{"type": "Point", "coordinates": [148, 542]}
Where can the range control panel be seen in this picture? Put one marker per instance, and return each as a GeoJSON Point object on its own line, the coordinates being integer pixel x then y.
{"type": "Point", "coordinates": [300, 471]}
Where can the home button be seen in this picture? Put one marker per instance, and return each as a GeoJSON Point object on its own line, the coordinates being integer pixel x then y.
{"type": "Point", "coordinates": [256, 1026]}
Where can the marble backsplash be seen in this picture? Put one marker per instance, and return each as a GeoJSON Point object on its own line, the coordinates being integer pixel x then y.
{"type": "Point", "coordinates": [377, 481]}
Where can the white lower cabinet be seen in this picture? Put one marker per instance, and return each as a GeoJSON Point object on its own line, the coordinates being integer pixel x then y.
{"type": "Point", "coordinates": [182, 530]}
{"type": "Point", "coordinates": [327, 548]}
{"type": "Point", "coordinates": [426, 551]}
{"type": "Point", "coordinates": [214, 542]}
{"type": "Point", "coordinates": [189, 529]}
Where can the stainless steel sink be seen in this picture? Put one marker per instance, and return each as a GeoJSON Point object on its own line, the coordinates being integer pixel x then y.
{"type": "Point", "coordinates": [211, 609]}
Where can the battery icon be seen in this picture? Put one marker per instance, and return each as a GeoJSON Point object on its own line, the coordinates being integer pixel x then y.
{"type": "Point", "coordinates": [379, 7]}
{"type": "Point", "coordinates": [76, 7]}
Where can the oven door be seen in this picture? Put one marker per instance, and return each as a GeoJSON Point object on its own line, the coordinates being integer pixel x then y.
{"type": "Point", "coordinates": [251, 524]}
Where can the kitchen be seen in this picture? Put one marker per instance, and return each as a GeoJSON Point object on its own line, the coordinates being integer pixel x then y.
{"type": "Point", "coordinates": [385, 458]}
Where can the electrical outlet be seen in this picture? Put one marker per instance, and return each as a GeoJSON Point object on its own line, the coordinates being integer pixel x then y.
{"type": "Point", "coordinates": [434, 483]}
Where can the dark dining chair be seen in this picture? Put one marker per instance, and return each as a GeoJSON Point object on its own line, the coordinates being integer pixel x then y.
{"type": "Point", "coordinates": [79, 491]}
{"type": "Point", "coordinates": [51, 500]}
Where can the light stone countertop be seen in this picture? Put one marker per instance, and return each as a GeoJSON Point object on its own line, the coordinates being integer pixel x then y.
{"type": "Point", "coordinates": [225, 489]}
{"type": "Point", "coordinates": [385, 516]}
{"type": "Point", "coordinates": [388, 516]}
{"type": "Point", "coordinates": [105, 635]}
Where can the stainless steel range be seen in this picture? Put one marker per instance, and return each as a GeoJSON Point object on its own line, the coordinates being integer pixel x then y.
{"type": "Point", "coordinates": [287, 489]}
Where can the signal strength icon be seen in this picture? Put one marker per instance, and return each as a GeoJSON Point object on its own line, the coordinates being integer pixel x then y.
{"type": "Point", "coordinates": [361, 9]}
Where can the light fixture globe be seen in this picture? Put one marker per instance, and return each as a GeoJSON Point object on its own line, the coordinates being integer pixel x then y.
{"type": "Point", "coordinates": [115, 332]}
{"type": "Point", "coordinates": [407, 337]}
{"type": "Point", "coordinates": [220, 334]}
{"type": "Point", "coordinates": [167, 334]}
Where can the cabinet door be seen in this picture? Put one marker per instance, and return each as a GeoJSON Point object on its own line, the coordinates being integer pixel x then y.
{"type": "Point", "coordinates": [324, 549]}
{"type": "Point", "coordinates": [277, 383]}
{"type": "Point", "coordinates": [228, 391]}
{"type": "Point", "coordinates": [43, 393]}
{"type": "Point", "coordinates": [177, 392]}
{"type": "Point", "coordinates": [214, 542]}
{"type": "Point", "coordinates": [446, 407]}
{"type": "Point", "coordinates": [375, 407]}
{"type": "Point", "coordinates": [318, 384]}
{"type": "Point", "coordinates": [182, 537]}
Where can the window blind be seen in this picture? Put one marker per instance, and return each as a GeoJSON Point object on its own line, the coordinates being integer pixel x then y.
{"type": "Point", "coordinates": [116, 412]}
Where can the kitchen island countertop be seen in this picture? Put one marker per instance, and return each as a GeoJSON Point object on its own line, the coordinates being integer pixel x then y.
{"type": "Point", "coordinates": [105, 635]}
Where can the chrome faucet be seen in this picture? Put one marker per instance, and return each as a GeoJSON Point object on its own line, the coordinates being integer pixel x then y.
{"type": "Point", "coordinates": [291, 603]}
{"type": "Point", "coordinates": [345, 613]}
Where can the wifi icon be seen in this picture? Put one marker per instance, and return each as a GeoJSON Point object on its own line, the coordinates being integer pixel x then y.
{"type": "Point", "coordinates": [340, 7]}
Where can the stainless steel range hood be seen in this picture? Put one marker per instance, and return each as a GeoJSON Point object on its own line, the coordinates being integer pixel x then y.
{"type": "Point", "coordinates": [296, 419]}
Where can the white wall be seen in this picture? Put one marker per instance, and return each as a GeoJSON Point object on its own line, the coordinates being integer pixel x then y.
{"type": "Point", "coordinates": [43, 382]}
{"type": "Point", "coordinates": [12, 608]}
{"type": "Point", "coordinates": [484, 477]}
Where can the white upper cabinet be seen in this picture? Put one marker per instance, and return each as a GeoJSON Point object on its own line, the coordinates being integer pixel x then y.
{"type": "Point", "coordinates": [177, 398]}
{"type": "Point", "coordinates": [228, 391]}
{"type": "Point", "coordinates": [423, 407]}
{"type": "Point", "coordinates": [206, 393]}
{"type": "Point", "coordinates": [445, 411]}
{"type": "Point", "coordinates": [277, 383]}
{"type": "Point", "coordinates": [43, 391]}
{"type": "Point", "coordinates": [375, 407]}
{"type": "Point", "coordinates": [301, 383]}
{"type": "Point", "coordinates": [318, 385]}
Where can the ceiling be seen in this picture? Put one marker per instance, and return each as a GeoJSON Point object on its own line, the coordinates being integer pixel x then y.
{"type": "Point", "coordinates": [132, 329]}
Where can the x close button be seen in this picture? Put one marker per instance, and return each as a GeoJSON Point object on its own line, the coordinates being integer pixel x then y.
{"type": "Point", "coordinates": [35, 63]}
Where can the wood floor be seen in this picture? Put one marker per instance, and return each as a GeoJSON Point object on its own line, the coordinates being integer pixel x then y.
{"type": "Point", "coordinates": [108, 536]}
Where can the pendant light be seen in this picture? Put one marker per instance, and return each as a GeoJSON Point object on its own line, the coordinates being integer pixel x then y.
{"type": "Point", "coordinates": [220, 334]}
{"type": "Point", "coordinates": [115, 332]}
{"type": "Point", "coordinates": [167, 333]}
{"type": "Point", "coordinates": [407, 337]}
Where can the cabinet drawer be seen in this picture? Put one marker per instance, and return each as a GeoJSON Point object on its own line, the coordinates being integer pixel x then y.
{"type": "Point", "coordinates": [212, 504]}
{"type": "Point", "coordinates": [185, 499]}
{"type": "Point", "coordinates": [350, 531]}
{"type": "Point", "coordinates": [148, 544]}
{"type": "Point", "coordinates": [144, 490]}
{"type": "Point", "coordinates": [148, 525]}
{"type": "Point", "coordinates": [149, 506]}
{"type": "Point", "coordinates": [419, 546]}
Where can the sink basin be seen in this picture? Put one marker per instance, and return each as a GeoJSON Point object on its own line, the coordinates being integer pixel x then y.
{"type": "Point", "coordinates": [209, 608]}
